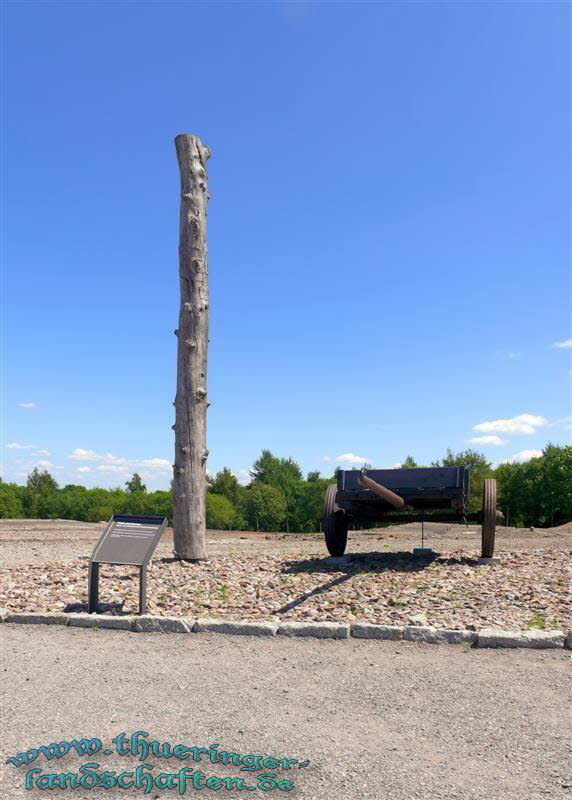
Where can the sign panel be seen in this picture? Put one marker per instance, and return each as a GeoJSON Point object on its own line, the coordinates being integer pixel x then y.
{"type": "Point", "coordinates": [129, 540]}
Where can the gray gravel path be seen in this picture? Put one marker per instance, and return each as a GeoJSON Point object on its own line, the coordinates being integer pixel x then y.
{"type": "Point", "coordinates": [376, 719]}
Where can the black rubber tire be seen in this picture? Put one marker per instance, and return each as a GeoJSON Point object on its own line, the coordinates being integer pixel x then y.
{"type": "Point", "coordinates": [335, 523]}
{"type": "Point", "coordinates": [489, 523]}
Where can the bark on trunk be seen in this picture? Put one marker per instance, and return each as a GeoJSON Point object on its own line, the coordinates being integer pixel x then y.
{"type": "Point", "coordinates": [189, 484]}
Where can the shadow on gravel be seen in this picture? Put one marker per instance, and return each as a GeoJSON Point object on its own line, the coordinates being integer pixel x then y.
{"type": "Point", "coordinates": [355, 563]}
{"type": "Point", "coordinates": [352, 564]}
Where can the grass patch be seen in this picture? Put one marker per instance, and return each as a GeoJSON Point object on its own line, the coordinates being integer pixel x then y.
{"type": "Point", "coordinates": [537, 622]}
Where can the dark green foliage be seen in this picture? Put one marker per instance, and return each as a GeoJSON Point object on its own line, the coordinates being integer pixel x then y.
{"type": "Point", "coordinates": [11, 506]}
{"type": "Point", "coordinates": [226, 484]}
{"type": "Point", "coordinates": [135, 484]}
{"type": "Point", "coordinates": [409, 463]}
{"type": "Point", "coordinates": [265, 507]}
{"type": "Point", "coordinates": [40, 495]}
{"type": "Point", "coordinates": [538, 492]}
{"type": "Point", "coordinates": [220, 512]}
{"type": "Point", "coordinates": [275, 471]}
{"type": "Point", "coordinates": [480, 469]}
{"type": "Point", "coordinates": [41, 481]}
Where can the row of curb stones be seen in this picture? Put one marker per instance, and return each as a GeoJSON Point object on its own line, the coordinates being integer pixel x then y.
{"type": "Point", "coordinates": [486, 637]}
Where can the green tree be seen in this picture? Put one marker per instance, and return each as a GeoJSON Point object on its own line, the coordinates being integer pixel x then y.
{"type": "Point", "coordinates": [159, 504]}
{"type": "Point", "coordinates": [40, 496]}
{"type": "Point", "coordinates": [265, 507]}
{"type": "Point", "coordinates": [480, 469]}
{"type": "Point", "coordinates": [220, 512]}
{"type": "Point", "coordinates": [281, 473]}
{"type": "Point", "coordinates": [226, 484]}
{"type": "Point", "coordinates": [275, 471]}
{"type": "Point", "coordinates": [41, 481]}
{"type": "Point", "coordinates": [11, 506]}
{"type": "Point", "coordinates": [539, 491]}
{"type": "Point", "coordinates": [72, 502]}
{"type": "Point", "coordinates": [135, 484]}
{"type": "Point", "coordinates": [313, 476]}
{"type": "Point", "coordinates": [409, 463]}
{"type": "Point", "coordinates": [308, 505]}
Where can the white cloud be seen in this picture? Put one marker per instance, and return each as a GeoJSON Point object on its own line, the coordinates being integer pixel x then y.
{"type": "Point", "coordinates": [159, 464]}
{"type": "Point", "coordinates": [350, 458]}
{"type": "Point", "coordinates": [327, 459]}
{"type": "Point", "coordinates": [513, 355]}
{"type": "Point", "coordinates": [243, 476]}
{"type": "Point", "coordinates": [108, 463]}
{"type": "Point", "coordinates": [119, 469]}
{"type": "Point", "coordinates": [28, 405]}
{"type": "Point", "coordinates": [520, 425]}
{"type": "Point", "coordinates": [83, 455]}
{"type": "Point", "coordinates": [41, 453]}
{"type": "Point", "coordinates": [565, 345]}
{"type": "Point", "coordinates": [18, 446]}
{"type": "Point", "coordinates": [491, 439]}
{"type": "Point", "coordinates": [79, 454]}
{"type": "Point", "coordinates": [44, 464]}
{"type": "Point", "coordinates": [109, 458]}
{"type": "Point", "coordinates": [520, 458]}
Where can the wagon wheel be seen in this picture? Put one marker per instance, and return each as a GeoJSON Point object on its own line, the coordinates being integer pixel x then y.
{"type": "Point", "coordinates": [335, 523]}
{"type": "Point", "coordinates": [489, 521]}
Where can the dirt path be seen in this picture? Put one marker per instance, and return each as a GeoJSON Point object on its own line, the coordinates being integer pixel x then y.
{"type": "Point", "coordinates": [376, 720]}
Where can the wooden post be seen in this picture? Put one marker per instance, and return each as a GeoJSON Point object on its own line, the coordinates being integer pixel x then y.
{"type": "Point", "coordinates": [189, 481]}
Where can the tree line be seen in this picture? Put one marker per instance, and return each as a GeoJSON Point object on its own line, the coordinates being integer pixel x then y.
{"type": "Point", "coordinates": [278, 497]}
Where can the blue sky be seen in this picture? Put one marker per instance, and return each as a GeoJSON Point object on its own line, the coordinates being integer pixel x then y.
{"type": "Point", "coordinates": [389, 231]}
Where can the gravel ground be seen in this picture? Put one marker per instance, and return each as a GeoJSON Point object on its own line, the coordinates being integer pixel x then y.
{"type": "Point", "coordinates": [261, 576]}
{"type": "Point", "coordinates": [376, 720]}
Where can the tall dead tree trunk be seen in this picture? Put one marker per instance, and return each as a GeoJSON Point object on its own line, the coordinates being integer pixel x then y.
{"type": "Point", "coordinates": [189, 484]}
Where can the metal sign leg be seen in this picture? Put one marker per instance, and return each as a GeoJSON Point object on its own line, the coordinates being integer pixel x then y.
{"type": "Point", "coordinates": [143, 590]}
{"type": "Point", "coordinates": [93, 588]}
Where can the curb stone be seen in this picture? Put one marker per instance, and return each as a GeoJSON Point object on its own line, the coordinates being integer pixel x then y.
{"type": "Point", "coordinates": [244, 628]}
{"type": "Point", "coordinates": [414, 633]}
{"type": "Point", "coordinates": [319, 630]}
{"type": "Point", "coordinates": [37, 618]}
{"type": "Point", "coordinates": [544, 639]}
{"type": "Point", "coordinates": [486, 637]}
{"type": "Point", "coordinates": [533, 639]}
{"type": "Point", "coordinates": [368, 630]}
{"type": "Point", "coordinates": [84, 620]}
{"type": "Point", "coordinates": [147, 623]}
{"type": "Point", "coordinates": [496, 637]}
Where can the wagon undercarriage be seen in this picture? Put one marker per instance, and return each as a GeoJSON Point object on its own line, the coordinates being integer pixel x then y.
{"type": "Point", "coordinates": [405, 495]}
